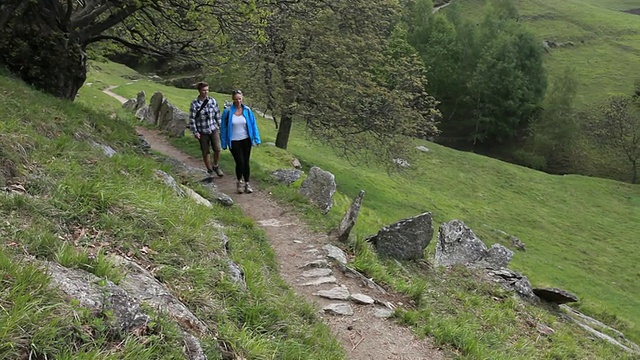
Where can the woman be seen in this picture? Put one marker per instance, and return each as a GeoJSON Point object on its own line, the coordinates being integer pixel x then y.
{"type": "Point", "coordinates": [239, 131]}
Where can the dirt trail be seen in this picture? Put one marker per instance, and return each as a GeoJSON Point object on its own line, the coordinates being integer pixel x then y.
{"type": "Point", "coordinates": [108, 91]}
{"type": "Point", "coordinates": [363, 335]}
{"type": "Point", "coordinates": [440, 7]}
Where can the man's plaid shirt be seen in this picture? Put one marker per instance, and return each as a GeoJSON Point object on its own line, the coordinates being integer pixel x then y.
{"type": "Point", "coordinates": [209, 118]}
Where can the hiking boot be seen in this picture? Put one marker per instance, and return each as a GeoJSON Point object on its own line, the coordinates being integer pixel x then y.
{"type": "Point", "coordinates": [240, 187]}
{"type": "Point", "coordinates": [210, 171]}
{"type": "Point", "coordinates": [247, 188]}
{"type": "Point", "coordinates": [218, 171]}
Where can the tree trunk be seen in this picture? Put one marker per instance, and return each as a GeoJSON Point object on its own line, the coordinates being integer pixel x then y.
{"type": "Point", "coordinates": [42, 54]}
{"type": "Point", "coordinates": [282, 140]}
{"type": "Point", "coordinates": [634, 171]}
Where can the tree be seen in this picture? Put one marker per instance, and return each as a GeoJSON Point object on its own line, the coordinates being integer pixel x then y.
{"type": "Point", "coordinates": [409, 86]}
{"type": "Point", "coordinates": [417, 16]}
{"type": "Point", "coordinates": [442, 56]}
{"type": "Point", "coordinates": [44, 41]}
{"type": "Point", "coordinates": [507, 87]}
{"type": "Point", "coordinates": [489, 76]}
{"type": "Point", "coordinates": [618, 126]}
{"type": "Point", "coordinates": [330, 66]}
{"type": "Point", "coordinates": [553, 132]}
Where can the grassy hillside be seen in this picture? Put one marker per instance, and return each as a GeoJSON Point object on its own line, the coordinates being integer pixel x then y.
{"type": "Point", "coordinates": [81, 205]}
{"type": "Point", "coordinates": [579, 233]}
{"type": "Point", "coordinates": [606, 40]}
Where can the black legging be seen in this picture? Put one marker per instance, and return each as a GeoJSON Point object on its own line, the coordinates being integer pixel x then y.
{"type": "Point", "coordinates": [241, 151]}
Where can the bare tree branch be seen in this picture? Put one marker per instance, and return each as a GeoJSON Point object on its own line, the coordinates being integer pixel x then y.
{"type": "Point", "coordinates": [112, 20]}
{"type": "Point", "coordinates": [68, 13]}
{"type": "Point", "coordinates": [89, 13]}
{"type": "Point", "coordinates": [128, 44]}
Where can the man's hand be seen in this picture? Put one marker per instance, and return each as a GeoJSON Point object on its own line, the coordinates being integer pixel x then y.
{"type": "Point", "coordinates": [197, 135]}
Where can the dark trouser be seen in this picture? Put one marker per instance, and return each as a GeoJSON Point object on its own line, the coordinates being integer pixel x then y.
{"type": "Point", "coordinates": [241, 151]}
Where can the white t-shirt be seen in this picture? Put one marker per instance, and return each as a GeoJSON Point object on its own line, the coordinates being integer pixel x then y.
{"type": "Point", "coordinates": [238, 128]}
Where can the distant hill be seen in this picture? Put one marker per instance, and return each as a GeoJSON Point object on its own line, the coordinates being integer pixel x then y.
{"type": "Point", "coordinates": [600, 39]}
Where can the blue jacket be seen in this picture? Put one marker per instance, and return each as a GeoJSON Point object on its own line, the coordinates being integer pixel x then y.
{"type": "Point", "coordinates": [225, 126]}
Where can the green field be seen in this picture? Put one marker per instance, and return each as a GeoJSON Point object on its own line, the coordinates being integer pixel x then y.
{"type": "Point", "coordinates": [606, 49]}
{"type": "Point", "coordinates": [580, 232]}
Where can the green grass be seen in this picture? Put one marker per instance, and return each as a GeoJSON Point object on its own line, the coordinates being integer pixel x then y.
{"type": "Point", "coordinates": [83, 205]}
{"type": "Point", "coordinates": [607, 41]}
{"type": "Point", "coordinates": [578, 230]}
{"type": "Point", "coordinates": [36, 323]}
{"type": "Point", "coordinates": [579, 234]}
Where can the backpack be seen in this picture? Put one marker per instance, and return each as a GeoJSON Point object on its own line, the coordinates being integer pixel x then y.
{"type": "Point", "coordinates": [204, 103]}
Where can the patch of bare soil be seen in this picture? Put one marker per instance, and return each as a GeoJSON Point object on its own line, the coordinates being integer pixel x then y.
{"type": "Point", "coordinates": [363, 335]}
{"type": "Point", "coordinates": [633, 11]}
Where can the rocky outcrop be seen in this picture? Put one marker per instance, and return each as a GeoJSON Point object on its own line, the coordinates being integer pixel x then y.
{"type": "Point", "coordinates": [600, 330]}
{"type": "Point", "coordinates": [319, 187]}
{"type": "Point", "coordinates": [350, 218]}
{"type": "Point", "coordinates": [513, 281]}
{"type": "Point", "coordinates": [215, 195]}
{"type": "Point", "coordinates": [123, 302]}
{"type": "Point", "coordinates": [287, 176]}
{"type": "Point", "coordinates": [459, 245]}
{"type": "Point", "coordinates": [236, 273]}
{"type": "Point", "coordinates": [160, 112]}
{"type": "Point", "coordinates": [555, 295]}
{"type": "Point", "coordinates": [107, 150]}
{"type": "Point", "coordinates": [100, 296]}
{"type": "Point", "coordinates": [401, 162]}
{"type": "Point", "coordinates": [196, 197]}
{"type": "Point", "coordinates": [405, 239]}
{"type": "Point", "coordinates": [517, 243]}
{"type": "Point", "coordinates": [154, 108]}
{"type": "Point", "coordinates": [170, 182]}
{"type": "Point", "coordinates": [171, 119]}
{"type": "Point", "coordinates": [191, 174]}
{"type": "Point", "coordinates": [143, 144]}
{"type": "Point", "coordinates": [144, 287]}
{"type": "Point", "coordinates": [335, 253]}
{"type": "Point", "coordinates": [141, 101]}
{"type": "Point", "coordinates": [130, 104]}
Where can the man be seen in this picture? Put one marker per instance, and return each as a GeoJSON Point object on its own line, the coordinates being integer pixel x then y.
{"type": "Point", "coordinates": [204, 122]}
